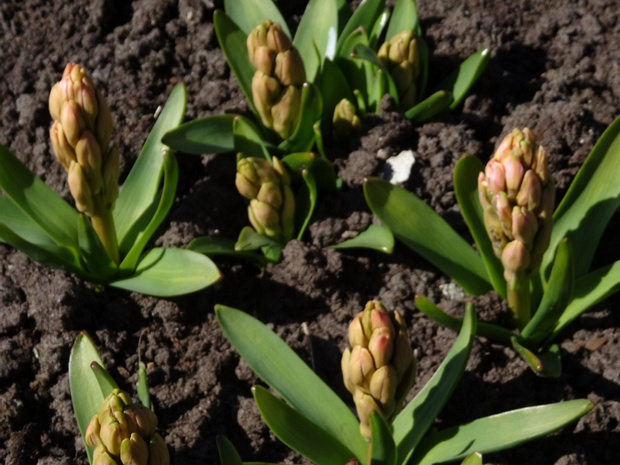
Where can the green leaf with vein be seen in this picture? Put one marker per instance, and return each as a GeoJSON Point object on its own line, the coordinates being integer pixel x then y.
{"type": "Point", "coordinates": [87, 393]}
{"type": "Point", "coordinates": [424, 231]}
{"type": "Point", "coordinates": [591, 200]}
{"type": "Point", "coordinates": [40, 203]}
{"type": "Point", "coordinates": [382, 447]}
{"type": "Point", "coordinates": [298, 432]}
{"type": "Point", "coordinates": [248, 13]}
{"type": "Point", "coordinates": [21, 224]}
{"type": "Point", "coordinates": [318, 27]}
{"type": "Point", "coordinates": [417, 417]}
{"type": "Point", "coordinates": [142, 183]}
{"type": "Point", "coordinates": [212, 134]}
{"type": "Point", "coordinates": [248, 139]}
{"type": "Point", "coordinates": [465, 178]}
{"type": "Point", "coordinates": [498, 432]}
{"type": "Point", "coordinates": [282, 369]}
{"type": "Point", "coordinates": [375, 237]}
{"type": "Point", "coordinates": [170, 272]}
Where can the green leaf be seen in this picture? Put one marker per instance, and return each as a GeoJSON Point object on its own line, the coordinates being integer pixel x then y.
{"type": "Point", "coordinates": [466, 190]}
{"type": "Point", "coordinates": [40, 203]}
{"type": "Point", "coordinates": [366, 53]}
{"type": "Point", "coordinates": [215, 246]}
{"type": "Point", "coordinates": [171, 178]}
{"type": "Point", "coordinates": [170, 272]}
{"type": "Point", "coordinates": [377, 30]}
{"type": "Point", "coordinates": [299, 432]}
{"type": "Point", "coordinates": [318, 26]}
{"type": "Point", "coordinates": [228, 453]}
{"type": "Point", "coordinates": [142, 386]}
{"type": "Point", "coordinates": [21, 224]}
{"type": "Point", "coordinates": [322, 170]}
{"type": "Point", "coordinates": [546, 364]}
{"type": "Point", "coordinates": [93, 253]}
{"type": "Point", "coordinates": [424, 231]}
{"type": "Point", "coordinates": [248, 139]}
{"type": "Point", "coordinates": [589, 290]}
{"type": "Point", "coordinates": [232, 41]}
{"type": "Point", "coordinates": [382, 448]}
{"type": "Point", "coordinates": [375, 237]}
{"type": "Point", "coordinates": [248, 13]}
{"type": "Point", "coordinates": [333, 87]}
{"type": "Point", "coordinates": [492, 332]}
{"type": "Point", "coordinates": [460, 81]}
{"type": "Point", "coordinates": [474, 458]}
{"type": "Point", "coordinates": [212, 134]}
{"type": "Point", "coordinates": [429, 107]}
{"type": "Point", "coordinates": [249, 239]}
{"type": "Point", "coordinates": [365, 17]}
{"type": "Point", "coordinates": [555, 299]}
{"type": "Point", "coordinates": [498, 432]}
{"type": "Point", "coordinates": [282, 369]}
{"type": "Point", "coordinates": [302, 139]}
{"type": "Point", "coordinates": [142, 184]}
{"type": "Point", "coordinates": [404, 16]}
{"type": "Point", "coordinates": [416, 418]}
{"type": "Point", "coordinates": [591, 200]}
{"type": "Point", "coordinates": [86, 392]}
{"type": "Point", "coordinates": [305, 202]}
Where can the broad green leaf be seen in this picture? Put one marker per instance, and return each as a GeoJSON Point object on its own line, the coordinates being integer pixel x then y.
{"type": "Point", "coordinates": [492, 332]}
{"type": "Point", "coordinates": [589, 290]}
{"type": "Point", "coordinates": [105, 380]}
{"type": "Point", "coordinates": [302, 139]}
{"type": "Point", "coordinates": [215, 246]}
{"type": "Point", "coordinates": [404, 16]}
{"type": "Point", "coordinates": [334, 87]}
{"type": "Point", "coordinates": [466, 190]}
{"type": "Point", "coordinates": [424, 231]}
{"type": "Point", "coordinates": [170, 272]}
{"type": "Point", "coordinates": [546, 364]}
{"type": "Point", "coordinates": [249, 239]}
{"type": "Point", "coordinates": [429, 107]}
{"type": "Point", "coordinates": [318, 27]}
{"type": "Point", "coordinates": [142, 183]}
{"type": "Point", "coordinates": [416, 418]}
{"type": "Point", "coordinates": [142, 386]}
{"type": "Point", "coordinates": [299, 432]}
{"type": "Point", "coordinates": [473, 459]}
{"type": "Point", "coordinates": [86, 392]}
{"type": "Point", "coordinates": [366, 53]}
{"type": "Point", "coordinates": [211, 134]}
{"type": "Point", "coordinates": [248, 139]}
{"type": "Point", "coordinates": [375, 237]}
{"type": "Point", "coordinates": [282, 369]}
{"type": "Point", "coordinates": [171, 178]}
{"type": "Point", "coordinates": [377, 30]}
{"type": "Point", "coordinates": [460, 81]}
{"type": "Point", "coordinates": [232, 41]}
{"type": "Point", "coordinates": [93, 253]}
{"type": "Point", "coordinates": [44, 206]}
{"type": "Point", "coordinates": [365, 17]}
{"type": "Point", "coordinates": [591, 200]}
{"type": "Point", "coordinates": [21, 224]}
{"type": "Point", "coordinates": [228, 453]}
{"type": "Point", "coordinates": [322, 170]}
{"type": "Point", "coordinates": [248, 13]}
{"type": "Point", "coordinates": [498, 432]}
{"type": "Point", "coordinates": [555, 299]}
{"type": "Point", "coordinates": [382, 447]}
{"type": "Point", "coordinates": [52, 255]}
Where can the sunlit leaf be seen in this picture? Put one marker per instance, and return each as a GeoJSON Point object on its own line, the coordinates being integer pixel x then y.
{"type": "Point", "coordinates": [460, 81]}
{"type": "Point", "coordinates": [334, 87]}
{"type": "Point", "coordinates": [222, 246]}
{"type": "Point", "coordinates": [212, 134]}
{"type": "Point", "coordinates": [429, 107]}
{"type": "Point", "coordinates": [302, 139]}
{"type": "Point", "coordinates": [249, 239]}
{"type": "Point", "coordinates": [93, 253]}
{"type": "Point", "coordinates": [248, 13]}
{"type": "Point", "coordinates": [365, 17]}
{"type": "Point", "coordinates": [366, 53]}
{"type": "Point", "coordinates": [21, 224]}
{"type": "Point", "coordinates": [382, 447]}
{"type": "Point", "coordinates": [424, 231]}
{"type": "Point", "coordinates": [404, 16]}
{"type": "Point", "coordinates": [248, 139]}
{"type": "Point", "coordinates": [305, 202]}
{"type": "Point", "coordinates": [171, 272]}
{"type": "Point", "coordinates": [498, 432]}
{"type": "Point", "coordinates": [473, 459]}
{"type": "Point", "coordinates": [375, 237]}
{"type": "Point", "coordinates": [322, 170]}
{"type": "Point", "coordinates": [547, 364]}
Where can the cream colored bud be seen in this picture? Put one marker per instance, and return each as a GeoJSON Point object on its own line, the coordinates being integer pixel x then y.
{"type": "Point", "coordinates": [286, 112]}
{"type": "Point", "coordinates": [80, 190]}
{"type": "Point", "coordinates": [289, 68]}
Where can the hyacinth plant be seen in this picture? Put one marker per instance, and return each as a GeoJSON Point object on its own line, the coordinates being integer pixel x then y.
{"type": "Point", "coordinates": [536, 258]}
{"type": "Point", "coordinates": [115, 430]}
{"type": "Point", "coordinates": [104, 240]}
{"type": "Point", "coordinates": [379, 370]}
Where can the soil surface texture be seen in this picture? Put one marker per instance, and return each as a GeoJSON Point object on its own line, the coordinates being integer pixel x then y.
{"type": "Point", "coordinates": [555, 68]}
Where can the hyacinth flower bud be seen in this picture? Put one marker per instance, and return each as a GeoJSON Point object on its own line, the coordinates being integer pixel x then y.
{"type": "Point", "coordinates": [345, 120]}
{"type": "Point", "coordinates": [272, 203]}
{"type": "Point", "coordinates": [517, 196]}
{"type": "Point", "coordinates": [123, 433]}
{"type": "Point", "coordinates": [401, 57]}
{"type": "Point", "coordinates": [80, 135]}
{"type": "Point", "coordinates": [379, 369]}
{"type": "Point", "coordinates": [276, 85]}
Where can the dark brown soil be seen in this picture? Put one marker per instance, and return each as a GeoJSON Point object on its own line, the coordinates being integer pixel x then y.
{"type": "Point", "coordinates": [555, 68]}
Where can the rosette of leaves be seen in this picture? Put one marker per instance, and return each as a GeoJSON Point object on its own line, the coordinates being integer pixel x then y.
{"type": "Point", "coordinates": [310, 417]}
{"type": "Point", "coordinates": [37, 221]}
{"type": "Point", "coordinates": [559, 288]}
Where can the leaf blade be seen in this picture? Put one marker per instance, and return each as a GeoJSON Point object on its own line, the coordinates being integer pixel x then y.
{"type": "Point", "coordinates": [211, 134]}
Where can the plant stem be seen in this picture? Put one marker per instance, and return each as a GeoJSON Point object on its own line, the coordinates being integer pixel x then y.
{"type": "Point", "coordinates": [103, 224]}
{"type": "Point", "coordinates": [518, 296]}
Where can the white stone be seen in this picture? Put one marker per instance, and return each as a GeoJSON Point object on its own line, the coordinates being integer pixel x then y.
{"type": "Point", "coordinates": [398, 168]}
